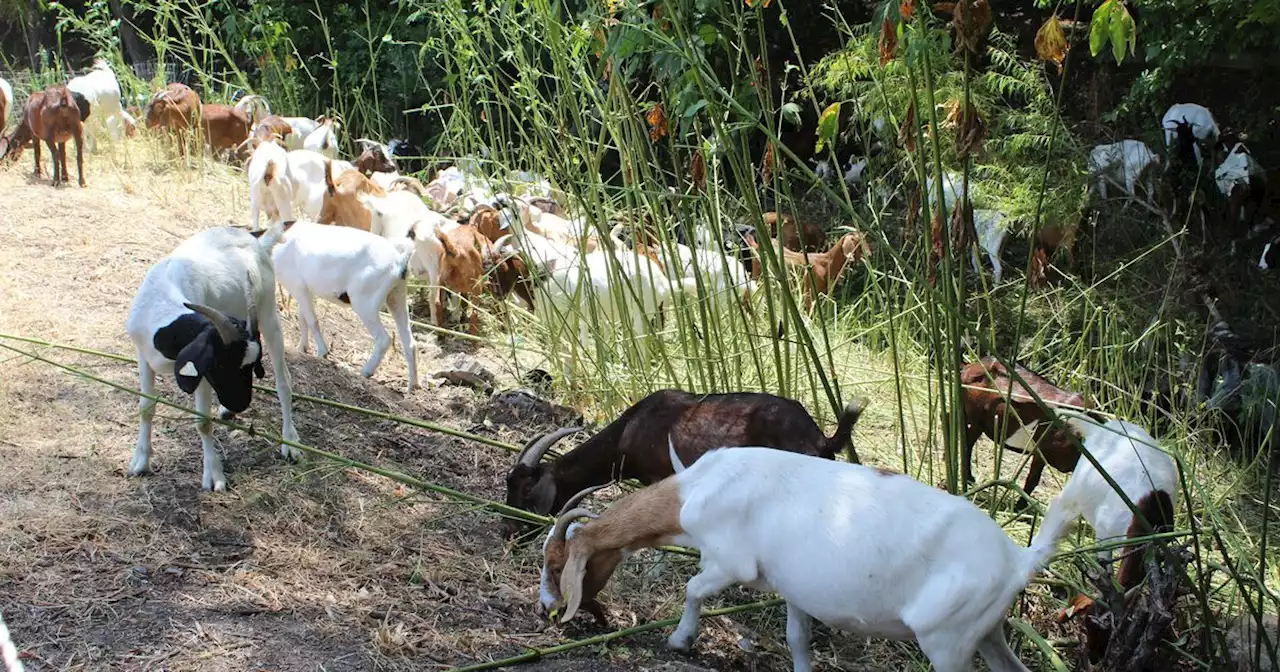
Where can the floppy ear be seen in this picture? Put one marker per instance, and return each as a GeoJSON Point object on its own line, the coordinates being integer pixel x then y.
{"type": "Point", "coordinates": [194, 361]}
{"type": "Point", "coordinates": [575, 570]}
{"type": "Point", "coordinates": [1022, 439]}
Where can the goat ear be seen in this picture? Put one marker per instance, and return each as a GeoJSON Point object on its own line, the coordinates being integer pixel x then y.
{"type": "Point", "coordinates": [571, 579]}
{"type": "Point", "coordinates": [194, 361]}
{"type": "Point", "coordinates": [542, 497]}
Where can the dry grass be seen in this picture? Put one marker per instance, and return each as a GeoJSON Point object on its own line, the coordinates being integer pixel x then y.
{"type": "Point", "coordinates": [301, 567]}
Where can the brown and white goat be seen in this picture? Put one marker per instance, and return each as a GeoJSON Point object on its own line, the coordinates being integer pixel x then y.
{"type": "Point", "coordinates": [177, 110]}
{"type": "Point", "coordinates": [818, 271]}
{"type": "Point", "coordinates": [508, 272]}
{"type": "Point", "coordinates": [225, 127]}
{"type": "Point", "coordinates": [53, 116]}
{"type": "Point", "coordinates": [988, 411]}
{"type": "Point", "coordinates": [462, 268]}
{"type": "Point", "coordinates": [635, 444]}
{"type": "Point", "coordinates": [796, 236]}
{"type": "Point", "coordinates": [343, 199]}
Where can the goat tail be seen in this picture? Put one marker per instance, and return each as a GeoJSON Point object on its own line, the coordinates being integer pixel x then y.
{"type": "Point", "coordinates": [844, 430]}
{"type": "Point", "coordinates": [328, 177]}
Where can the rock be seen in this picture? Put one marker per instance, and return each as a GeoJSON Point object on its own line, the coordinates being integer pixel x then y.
{"type": "Point", "coordinates": [468, 372]}
{"type": "Point", "coordinates": [1242, 637]}
{"type": "Point", "coordinates": [522, 405]}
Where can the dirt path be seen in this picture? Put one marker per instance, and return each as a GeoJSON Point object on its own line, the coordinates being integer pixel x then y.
{"type": "Point", "coordinates": [302, 567]}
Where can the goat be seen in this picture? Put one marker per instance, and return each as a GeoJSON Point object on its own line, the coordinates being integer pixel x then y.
{"type": "Point", "coordinates": [302, 127]}
{"type": "Point", "coordinates": [1241, 179]}
{"type": "Point", "coordinates": [763, 518]}
{"type": "Point", "coordinates": [796, 236]}
{"type": "Point", "coordinates": [987, 410]}
{"type": "Point", "coordinates": [224, 126]}
{"type": "Point", "coordinates": [989, 225]}
{"type": "Point", "coordinates": [633, 445]}
{"type": "Point", "coordinates": [272, 125]}
{"type": "Point", "coordinates": [508, 271]}
{"type": "Point", "coordinates": [323, 139]}
{"type": "Point", "coordinates": [462, 268]}
{"type": "Point", "coordinates": [1147, 476]}
{"type": "Point", "coordinates": [259, 111]}
{"type": "Point", "coordinates": [100, 87]}
{"type": "Point", "coordinates": [205, 313]}
{"type": "Point", "coordinates": [375, 158]}
{"type": "Point", "coordinates": [270, 184]}
{"type": "Point", "coordinates": [349, 266]}
{"type": "Point", "coordinates": [1126, 163]}
{"type": "Point", "coordinates": [488, 222]}
{"type": "Point", "coordinates": [177, 110]}
{"type": "Point", "coordinates": [6, 104]}
{"type": "Point", "coordinates": [818, 272]}
{"type": "Point", "coordinates": [1197, 118]}
{"type": "Point", "coordinates": [53, 116]}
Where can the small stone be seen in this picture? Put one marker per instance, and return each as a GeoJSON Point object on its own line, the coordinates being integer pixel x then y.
{"type": "Point", "coordinates": [468, 372]}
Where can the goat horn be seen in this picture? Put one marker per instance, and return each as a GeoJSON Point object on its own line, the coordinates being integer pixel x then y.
{"type": "Point", "coordinates": [226, 330]}
{"type": "Point", "coordinates": [564, 519]}
{"type": "Point", "coordinates": [533, 454]}
{"type": "Point", "coordinates": [504, 241]}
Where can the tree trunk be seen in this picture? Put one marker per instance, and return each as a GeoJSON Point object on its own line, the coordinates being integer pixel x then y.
{"type": "Point", "coordinates": [132, 45]}
{"type": "Point", "coordinates": [37, 36]}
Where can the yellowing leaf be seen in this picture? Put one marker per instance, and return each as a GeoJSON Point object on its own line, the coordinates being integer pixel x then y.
{"type": "Point", "coordinates": [657, 119]}
{"type": "Point", "coordinates": [888, 42]}
{"type": "Point", "coordinates": [1051, 42]}
{"type": "Point", "coordinates": [828, 126]}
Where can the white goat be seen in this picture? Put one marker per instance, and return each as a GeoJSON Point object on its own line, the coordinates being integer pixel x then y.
{"type": "Point", "coordinates": [302, 127]}
{"type": "Point", "coordinates": [270, 184]}
{"type": "Point", "coordinates": [323, 139]}
{"type": "Point", "coordinates": [306, 172]}
{"type": "Point", "coordinates": [992, 232]}
{"type": "Point", "coordinates": [950, 191]}
{"type": "Point", "coordinates": [100, 87]}
{"type": "Point", "coordinates": [902, 560]}
{"type": "Point", "coordinates": [1236, 170]}
{"type": "Point", "coordinates": [351, 266]}
{"type": "Point", "coordinates": [1125, 164]}
{"type": "Point", "coordinates": [255, 106]}
{"type": "Point", "coordinates": [1147, 476]}
{"type": "Point", "coordinates": [198, 314]}
{"type": "Point", "coordinates": [6, 103]}
{"type": "Point", "coordinates": [1199, 117]}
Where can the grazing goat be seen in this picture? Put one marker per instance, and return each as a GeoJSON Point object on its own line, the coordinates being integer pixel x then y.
{"type": "Point", "coordinates": [992, 232]}
{"type": "Point", "coordinates": [1241, 179]}
{"type": "Point", "coordinates": [270, 184]}
{"type": "Point", "coordinates": [930, 566]}
{"type": "Point", "coordinates": [349, 266]}
{"type": "Point", "coordinates": [177, 110]}
{"type": "Point", "coordinates": [988, 411]}
{"type": "Point", "coordinates": [1147, 476]}
{"type": "Point", "coordinates": [224, 126]}
{"type": "Point", "coordinates": [818, 272]}
{"type": "Point", "coordinates": [198, 314]}
{"type": "Point", "coordinates": [100, 87]}
{"type": "Point", "coordinates": [272, 125]}
{"type": "Point", "coordinates": [634, 445]}
{"type": "Point", "coordinates": [1196, 118]}
{"type": "Point", "coordinates": [796, 236]}
{"type": "Point", "coordinates": [302, 127]}
{"type": "Point", "coordinates": [467, 254]}
{"type": "Point", "coordinates": [508, 272]}
{"type": "Point", "coordinates": [258, 110]}
{"type": "Point", "coordinates": [1125, 164]}
{"type": "Point", "coordinates": [6, 104]}
{"type": "Point", "coordinates": [489, 222]}
{"type": "Point", "coordinates": [53, 116]}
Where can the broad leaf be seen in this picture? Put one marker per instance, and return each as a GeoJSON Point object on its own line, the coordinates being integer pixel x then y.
{"type": "Point", "coordinates": [828, 126]}
{"type": "Point", "coordinates": [1099, 27]}
{"type": "Point", "coordinates": [791, 114]}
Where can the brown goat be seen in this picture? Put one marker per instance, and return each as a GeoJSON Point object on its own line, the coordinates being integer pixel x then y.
{"type": "Point", "coordinates": [342, 203]}
{"type": "Point", "coordinates": [54, 116]}
{"type": "Point", "coordinates": [817, 271]}
{"type": "Point", "coordinates": [488, 221]}
{"type": "Point", "coordinates": [986, 411]}
{"type": "Point", "coordinates": [373, 160]}
{"type": "Point", "coordinates": [272, 125]}
{"type": "Point", "coordinates": [224, 126]}
{"type": "Point", "coordinates": [177, 110]}
{"type": "Point", "coordinates": [508, 272]}
{"type": "Point", "coordinates": [462, 267]}
{"type": "Point", "coordinates": [797, 236]}
{"type": "Point", "coordinates": [635, 444]}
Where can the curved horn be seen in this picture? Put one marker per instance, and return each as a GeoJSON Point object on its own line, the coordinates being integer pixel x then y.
{"type": "Point", "coordinates": [565, 519]}
{"type": "Point", "coordinates": [531, 455]}
{"type": "Point", "coordinates": [226, 330]}
{"type": "Point", "coordinates": [582, 494]}
{"type": "Point", "coordinates": [504, 241]}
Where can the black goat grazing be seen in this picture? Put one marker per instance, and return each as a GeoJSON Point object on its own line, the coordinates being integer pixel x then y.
{"type": "Point", "coordinates": [635, 445]}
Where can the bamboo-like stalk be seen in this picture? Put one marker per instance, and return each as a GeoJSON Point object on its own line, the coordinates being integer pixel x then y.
{"type": "Point", "coordinates": [537, 654]}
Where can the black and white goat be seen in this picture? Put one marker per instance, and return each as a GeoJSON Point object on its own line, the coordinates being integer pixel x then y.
{"type": "Point", "coordinates": [204, 313]}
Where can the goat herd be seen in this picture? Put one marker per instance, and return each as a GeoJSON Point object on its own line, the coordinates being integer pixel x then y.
{"type": "Point", "coordinates": [856, 547]}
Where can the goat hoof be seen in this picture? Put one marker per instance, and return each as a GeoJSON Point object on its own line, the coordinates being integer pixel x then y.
{"type": "Point", "coordinates": [215, 483]}
{"type": "Point", "coordinates": [137, 467]}
{"type": "Point", "coordinates": [679, 642]}
{"type": "Point", "coordinates": [289, 452]}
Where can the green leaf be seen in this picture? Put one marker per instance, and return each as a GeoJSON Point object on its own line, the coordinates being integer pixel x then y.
{"type": "Point", "coordinates": [828, 126]}
{"type": "Point", "coordinates": [1123, 32]}
{"type": "Point", "coordinates": [791, 114]}
{"type": "Point", "coordinates": [693, 109]}
{"type": "Point", "coordinates": [708, 33]}
{"type": "Point", "coordinates": [1099, 26]}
